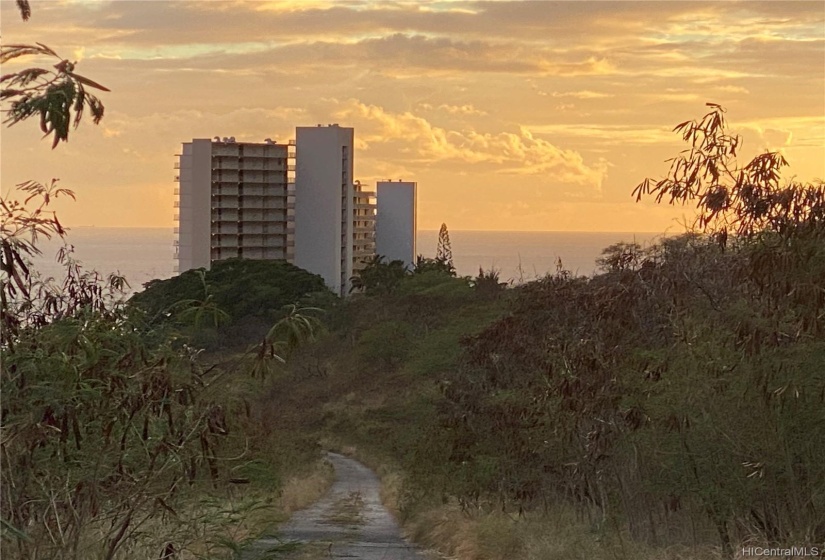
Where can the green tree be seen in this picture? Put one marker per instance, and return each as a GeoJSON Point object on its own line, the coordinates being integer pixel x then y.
{"type": "Point", "coordinates": [298, 326]}
{"type": "Point", "coordinates": [378, 276]}
{"type": "Point", "coordinates": [444, 250]}
{"type": "Point", "coordinates": [425, 265]}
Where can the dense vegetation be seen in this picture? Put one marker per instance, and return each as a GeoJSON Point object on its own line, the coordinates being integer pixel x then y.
{"type": "Point", "coordinates": [674, 399]}
{"type": "Point", "coordinates": [234, 303]}
{"type": "Point", "coordinates": [120, 439]}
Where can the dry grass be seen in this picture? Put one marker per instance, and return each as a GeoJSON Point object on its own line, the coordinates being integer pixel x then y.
{"type": "Point", "coordinates": [558, 535]}
{"type": "Point", "coordinates": [301, 491]}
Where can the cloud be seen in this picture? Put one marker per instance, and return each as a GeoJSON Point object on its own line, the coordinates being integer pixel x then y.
{"type": "Point", "coordinates": [466, 109]}
{"type": "Point", "coordinates": [491, 94]}
{"type": "Point", "coordinates": [583, 94]}
{"type": "Point", "coordinates": [410, 137]}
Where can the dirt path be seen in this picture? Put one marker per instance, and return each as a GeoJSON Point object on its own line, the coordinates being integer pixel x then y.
{"type": "Point", "coordinates": [349, 521]}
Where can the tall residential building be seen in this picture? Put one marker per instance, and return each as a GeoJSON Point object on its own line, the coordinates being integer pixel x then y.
{"type": "Point", "coordinates": [334, 217]}
{"type": "Point", "coordinates": [242, 199]}
{"type": "Point", "coordinates": [396, 221]}
{"type": "Point", "coordinates": [363, 227]}
{"type": "Point", "coordinates": [235, 199]}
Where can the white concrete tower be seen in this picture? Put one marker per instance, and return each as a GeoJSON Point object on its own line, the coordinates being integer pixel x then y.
{"type": "Point", "coordinates": [396, 221]}
{"type": "Point", "coordinates": [324, 203]}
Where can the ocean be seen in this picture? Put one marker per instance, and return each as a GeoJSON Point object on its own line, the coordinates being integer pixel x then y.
{"type": "Point", "coordinates": [143, 254]}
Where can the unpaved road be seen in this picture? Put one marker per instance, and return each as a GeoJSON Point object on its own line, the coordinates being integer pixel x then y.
{"type": "Point", "coordinates": [349, 521]}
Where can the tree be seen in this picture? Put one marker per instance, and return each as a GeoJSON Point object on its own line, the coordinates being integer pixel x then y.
{"type": "Point", "coordinates": [444, 251]}
{"type": "Point", "coordinates": [298, 326]}
{"type": "Point", "coordinates": [108, 429]}
{"type": "Point", "coordinates": [58, 96]}
{"type": "Point", "coordinates": [379, 276]}
{"type": "Point", "coordinates": [682, 386]}
{"type": "Point", "coordinates": [742, 200]}
{"type": "Point", "coordinates": [488, 282]}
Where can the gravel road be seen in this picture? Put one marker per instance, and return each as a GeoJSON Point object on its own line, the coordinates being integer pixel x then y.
{"type": "Point", "coordinates": [349, 521]}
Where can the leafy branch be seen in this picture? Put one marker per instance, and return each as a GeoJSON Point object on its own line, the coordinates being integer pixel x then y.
{"type": "Point", "coordinates": [744, 200]}
{"type": "Point", "coordinates": [58, 97]}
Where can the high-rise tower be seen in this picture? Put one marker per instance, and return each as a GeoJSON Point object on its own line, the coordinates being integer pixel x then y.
{"type": "Point", "coordinates": [334, 218]}
{"type": "Point", "coordinates": [395, 225]}
{"type": "Point", "coordinates": [235, 200]}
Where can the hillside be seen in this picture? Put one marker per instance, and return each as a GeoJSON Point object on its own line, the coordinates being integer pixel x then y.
{"type": "Point", "coordinates": [666, 404]}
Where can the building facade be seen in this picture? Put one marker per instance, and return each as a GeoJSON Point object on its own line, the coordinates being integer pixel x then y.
{"type": "Point", "coordinates": [395, 226]}
{"type": "Point", "coordinates": [295, 202]}
{"type": "Point", "coordinates": [235, 199]}
{"type": "Point", "coordinates": [334, 216]}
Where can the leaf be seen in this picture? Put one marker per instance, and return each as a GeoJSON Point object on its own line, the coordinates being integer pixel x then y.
{"type": "Point", "coordinates": [9, 531]}
{"type": "Point", "coordinates": [86, 81]}
{"type": "Point", "coordinates": [25, 9]}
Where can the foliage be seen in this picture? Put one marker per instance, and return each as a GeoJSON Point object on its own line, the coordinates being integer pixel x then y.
{"type": "Point", "coordinates": [113, 434]}
{"type": "Point", "coordinates": [243, 298]}
{"type": "Point", "coordinates": [744, 201]}
{"type": "Point", "coordinates": [109, 430]}
{"type": "Point", "coordinates": [424, 265]}
{"type": "Point", "coordinates": [386, 345]}
{"type": "Point", "coordinates": [620, 257]}
{"type": "Point", "coordinates": [676, 393]}
{"type": "Point", "coordinates": [298, 326]}
{"type": "Point", "coordinates": [58, 97]}
{"type": "Point", "coordinates": [101, 436]}
{"type": "Point", "coordinates": [117, 440]}
{"type": "Point", "coordinates": [193, 310]}
{"type": "Point", "coordinates": [488, 282]}
{"type": "Point", "coordinates": [378, 276]}
{"type": "Point", "coordinates": [444, 251]}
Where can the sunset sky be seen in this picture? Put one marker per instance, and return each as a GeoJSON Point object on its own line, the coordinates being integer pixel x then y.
{"type": "Point", "coordinates": [511, 116]}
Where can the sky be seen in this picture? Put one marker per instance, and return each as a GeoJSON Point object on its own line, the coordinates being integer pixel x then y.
{"type": "Point", "coordinates": [528, 116]}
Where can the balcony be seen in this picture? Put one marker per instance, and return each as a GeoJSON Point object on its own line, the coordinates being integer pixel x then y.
{"type": "Point", "coordinates": [224, 216]}
{"type": "Point", "coordinates": [224, 242]}
{"type": "Point", "coordinates": [224, 191]}
{"type": "Point", "coordinates": [250, 216]}
{"type": "Point", "coordinates": [262, 242]}
{"type": "Point", "coordinates": [225, 229]}
{"type": "Point", "coordinates": [177, 179]}
{"type": "Point", "coordinates": [224, 203]}
{"type": "Point", "coordinates": [225, 164]}
{"type": "Point", "coordinates": [176, 191]}
{"type": "Point", "coordinates": [361, 253]}
{"type": "Point", "coordinates": [253, 190]}
{"type": "Point", "coordinates": [176, 217]}
{"type": "Point", "coordinates": [263, 229]}
{"type": "Point", "coordinates": [177, 165]}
